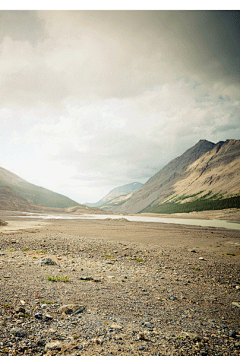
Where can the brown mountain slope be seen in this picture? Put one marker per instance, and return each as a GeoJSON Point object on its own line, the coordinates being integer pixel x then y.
{"type": "Point", "coordinates": [9, 200]}
{"type": "Point", "coordinates": [217, 171]}
{"type": "Point", "coordinates": [34, 193]}
{"type": "Point", "coordinates": [203, 168]}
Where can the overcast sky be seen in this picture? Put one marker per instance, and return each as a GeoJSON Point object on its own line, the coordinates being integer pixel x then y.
{"type": "Point", "coordinates": [90, 100]}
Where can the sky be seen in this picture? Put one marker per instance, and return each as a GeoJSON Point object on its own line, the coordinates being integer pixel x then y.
{"type": "Point", "coordinates": [91, 100]}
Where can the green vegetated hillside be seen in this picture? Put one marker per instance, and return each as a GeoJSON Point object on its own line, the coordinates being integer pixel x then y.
{"type": "Point", "coordinates": [205, 177]}
{"type": "Point", "coordinates": [210, 203]}
{"type": "Point", "coordinates": [34, 193]}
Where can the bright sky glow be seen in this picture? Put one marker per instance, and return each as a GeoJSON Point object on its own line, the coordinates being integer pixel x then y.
{"type": "Point", "coordinates": [91, 100]}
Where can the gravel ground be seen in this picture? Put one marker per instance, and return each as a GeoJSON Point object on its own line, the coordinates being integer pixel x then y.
{"type": "Point", "coordinates": [99, 288]}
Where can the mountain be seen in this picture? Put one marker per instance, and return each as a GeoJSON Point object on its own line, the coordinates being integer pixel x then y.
{"type": "Point", "coordinates": [9, 200]}
{"type": "Point", "coordinates": [120, 193]}
{"type": "Point", "coordinates": [31, 193]}
{"type": "Point", "coordinates": [204, 174]}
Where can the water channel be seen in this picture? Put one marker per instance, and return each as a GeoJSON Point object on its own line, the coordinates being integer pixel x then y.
{"type": "Point", "coordinates": [140, 218]}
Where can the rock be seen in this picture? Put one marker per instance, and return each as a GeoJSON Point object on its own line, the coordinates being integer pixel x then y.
{"type": "Point", "coordinates": [201, 259]}
{"type": "Point", "coordinates": [172, 297]}
{"type": "Point", "coordinates": [192, 250]}
{"type": "Point", "coordinates": [54, 345]}
{"type": "Point", "coordinates": [40, 342]}
{"type": "Point", "coordinates": [38, 316]}
{"type": "Point", "coordinates": [116, 326]}
{"type": "Point", "coordinates": [20, 310]}
{"type": "Point", "coordinates": [236, 304]}
{"type": "Point", "coordinates": [141, 336]}
{"type": "Point", "coordinates": [48, 317]}
{"type": "Point", "coordinates": [192, 336]}
{"type": "Point", "coordinates": [232, 333]}
{"type": "Point", "coordinates": [46, 261]}
{"type": "Point", "coordinates": [71, 309]}
{"type": "Point", "coordinates": [17, 332]}
{"type": "Point", "coordinates": [86, 278]}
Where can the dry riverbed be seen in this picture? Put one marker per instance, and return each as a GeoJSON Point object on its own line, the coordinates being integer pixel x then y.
{"type": "Point", "coordinates": [112, 287]}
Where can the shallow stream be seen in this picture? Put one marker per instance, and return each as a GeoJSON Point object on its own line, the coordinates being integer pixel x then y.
{"type": "Point", "coordinates": [140, 218]}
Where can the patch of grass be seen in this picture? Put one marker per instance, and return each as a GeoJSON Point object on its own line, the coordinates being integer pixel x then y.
{"type": "Point", "coordinates": [46, 301]}
{"type": "Point", "coordinates": [7, 306]}
{"type": "Point", "coordinates": [25, 315]}
{"type": "Point", "coordinates": [231, 254]}
{"type": "Point", "coordinates": [11, 250]}
{"type": "Point", "coordinates": [40, 251]}
{"type": "Point", "coordinates": [57, 279]}
{"type": "Point", "coordinates": [196, 269]}
{"type": "Point", "coordinates": [26, 249]}
{"type": "Point", "coordinates": [136, 259]}
{"type": "Point", "coordinates": [108, 256]}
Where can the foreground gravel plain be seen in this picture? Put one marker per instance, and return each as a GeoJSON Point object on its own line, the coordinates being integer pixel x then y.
{"type": "Point", "coordinates": [113, 287]}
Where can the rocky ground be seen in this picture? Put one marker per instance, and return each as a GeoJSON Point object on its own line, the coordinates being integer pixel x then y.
{"type": "Point", "coordinates": [119, 288]}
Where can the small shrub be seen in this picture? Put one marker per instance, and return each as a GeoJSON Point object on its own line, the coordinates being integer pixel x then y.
{"type": "Point", "coordinates": [57, 279]}
{"type": "Point", "coordinates": [138, 260]}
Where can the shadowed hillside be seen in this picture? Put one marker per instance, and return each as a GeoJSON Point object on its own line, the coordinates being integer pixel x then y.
{"type": "Point", "coordinates": [33, 193]}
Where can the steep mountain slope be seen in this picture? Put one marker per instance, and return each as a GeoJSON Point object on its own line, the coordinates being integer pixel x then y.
{"type": "Point", "coordinates": [9, 200]}
{"type": "Point", "coordinates": [33, 193]}
{"type": "Point", "coordinates": [205, 170]}
{"type": "Point", "coordinates": [119, 192]}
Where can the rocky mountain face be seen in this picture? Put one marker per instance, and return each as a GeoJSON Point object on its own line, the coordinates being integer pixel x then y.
{"type": "Point", "coordinates": [206, 169]}
{"type": "Point", "coordinates": [30, 192]}
{"type": "Point", "coordinates": [117, 194]}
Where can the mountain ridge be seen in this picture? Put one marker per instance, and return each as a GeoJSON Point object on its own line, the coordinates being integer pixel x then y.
{"type": "Point", "coordinates": [33, 193]}
{"type": "Point", "coordinates": [175, 179]}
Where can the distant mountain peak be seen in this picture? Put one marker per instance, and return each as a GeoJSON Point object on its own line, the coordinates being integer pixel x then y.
{"type": "Point", "coordinates": [115, 193]}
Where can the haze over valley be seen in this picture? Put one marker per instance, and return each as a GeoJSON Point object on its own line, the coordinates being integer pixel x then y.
{"type": "Point", "coordinates": [205, 177]}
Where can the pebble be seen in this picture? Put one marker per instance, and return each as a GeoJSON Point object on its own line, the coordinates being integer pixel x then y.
{"type": "Point", "coordinates": [71, 309]}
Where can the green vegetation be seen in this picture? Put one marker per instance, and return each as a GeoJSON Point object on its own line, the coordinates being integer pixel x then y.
{"type": "Point", "coordinates": [137, 259]}
{"type": "Point", "coordinates": [108, 256]}
{"type": "Point", "coordinates": [11, 250]}
{"type": "Point", "coordinates": [26, 249]}
{"type": "Point", "coordinates": [57, 279]}
{"type": "Point", "coordinates": [203, 203]}
{"type": "Point", "coordinates": [46, 301]}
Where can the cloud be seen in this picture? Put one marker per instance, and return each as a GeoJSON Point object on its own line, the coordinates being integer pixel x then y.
{"type": "Point", "coordinates": [95, 99]}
